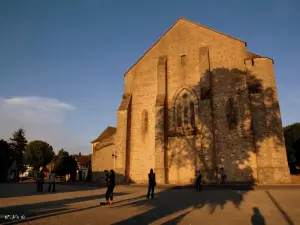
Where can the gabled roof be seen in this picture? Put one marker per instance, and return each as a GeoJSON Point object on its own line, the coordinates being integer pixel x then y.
{"type": "Point", "coordinates": [189, 21]}
{"type": "Point", "coordinates": [82, 159]}
{"type": "Point", "coordinates": [108, 132]}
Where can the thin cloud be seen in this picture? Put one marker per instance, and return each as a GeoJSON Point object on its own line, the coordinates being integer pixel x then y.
{"type": "Point", "coordinates": [43, 119]}
{"type": "Point", "coordinates": [35, 109]}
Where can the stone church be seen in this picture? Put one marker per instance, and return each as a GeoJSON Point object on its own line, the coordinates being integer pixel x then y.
{"type": "Point", "coordinates": [196, 100]}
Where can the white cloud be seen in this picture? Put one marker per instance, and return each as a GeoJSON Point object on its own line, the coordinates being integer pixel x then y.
{"type": "Point", "coordinates": [43, 119]}
{"type": "Point", "coordinates": [35, 109]}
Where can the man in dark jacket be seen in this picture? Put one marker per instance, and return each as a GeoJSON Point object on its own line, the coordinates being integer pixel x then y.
{"type": "Point", "coordinates": [198, 180]}
{"type": "Point", "coordinates": [110, 187]}
{"type": "Point", "coordinates": [152, 184]}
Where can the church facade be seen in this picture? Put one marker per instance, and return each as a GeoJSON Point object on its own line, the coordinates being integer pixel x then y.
{"type": "Point", "coordinates": [196, 100]}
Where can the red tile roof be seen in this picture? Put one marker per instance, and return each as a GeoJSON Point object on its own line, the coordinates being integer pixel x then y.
{"type": "Point", "coordinates": [82, 159]}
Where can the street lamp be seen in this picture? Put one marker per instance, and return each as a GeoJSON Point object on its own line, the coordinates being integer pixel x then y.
{"type": "Point", "coordinates": [114, 156]}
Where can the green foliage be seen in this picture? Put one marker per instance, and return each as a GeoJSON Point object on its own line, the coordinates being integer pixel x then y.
{"type": "Point", "coordinates": [65, 163]}
{"type": "Point", "coordinates": [5, 159]}
{"type": "Point", "coordinates": [292, 143]}
{"type": "Point", "coordinates": [18, 144]}
{"type": "Point", "coordinates": [32, 173]}
{"type": "Point", "coordinates": [23, 169]}
{"type": "Point", "coordinates": [39, 153]}
{"type": "Point", "coordinates": [62, 153]}
{"type": "Point", "coordinates": [296, 147]}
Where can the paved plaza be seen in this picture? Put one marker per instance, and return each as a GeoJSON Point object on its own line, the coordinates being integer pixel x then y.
{"type": "Point", "coordinates": [81, 205]}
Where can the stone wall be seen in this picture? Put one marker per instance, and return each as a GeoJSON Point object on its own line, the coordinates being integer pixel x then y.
{"type": "Point", "coordinates": [102, 158]}
{"type": "Point", "coordinates": [122, 143]}
{"type": "Point", "coordinates": [267, 126]}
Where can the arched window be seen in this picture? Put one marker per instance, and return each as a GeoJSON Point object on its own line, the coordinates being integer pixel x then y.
{"type": "Point", "coordinates": [192, 110]}
{"type": "Point", "coordinates": [179, 116]}
{"type": "Point", "coordinates": [145, 120]}
{"type": "Point", "coordinates": [186, 115]}
{"type": "Point", "coordinates": [185, 105]}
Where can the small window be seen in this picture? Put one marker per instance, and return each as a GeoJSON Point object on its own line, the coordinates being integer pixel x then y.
{"type": "Point", "coordinates": [145, 120]}
{"type": "Point", "coordinates": [205, 93]}
{"type": "Point", "coordinates": [183, 60]}
{"type": "Point", "coordinates": [192, 110]}
{"type": "Point", "coordinates": [179, 116]}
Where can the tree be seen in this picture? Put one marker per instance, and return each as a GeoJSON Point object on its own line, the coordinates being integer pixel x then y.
{"type": "Point", "coordinates": [39, 153]}
{"type": "Point", "coordinates": [70, 166]}
{"type": "Point", "coordinates": [296, 147]}
{"type": "Point", "coordinates": [62, 153]}
{"type": "Point", "coordinates": [6, 159]}
{"type": "Point", "coordinates": [292, 143]}
{"type": "Point", "coordinates": [65, 164]}
{"type": "Point", "coordinates": [18, 144]}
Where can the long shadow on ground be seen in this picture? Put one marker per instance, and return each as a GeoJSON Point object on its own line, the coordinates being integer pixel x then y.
{"type": "Point", "coordinates": [8, 190]}
{"type": "Point", "coordinates": [171, 201]}
{"type": "Point", "coordinates": [46, 209]}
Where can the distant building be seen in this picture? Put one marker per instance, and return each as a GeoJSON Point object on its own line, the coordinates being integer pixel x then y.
{"type": "Point", "coordinates": [83, 162]}
{"type": "Point", "coordinates": [12, 171]}
{"type": "Point", "coordinates": [103, 157]}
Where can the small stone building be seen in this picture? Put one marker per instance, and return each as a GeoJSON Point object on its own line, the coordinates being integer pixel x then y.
{"type": "Point", "coordinates": [82, 166]}
{"type": "Point", "coordinates": [103, 157]}
{"type": "Point", "coordinates": [197, 100]}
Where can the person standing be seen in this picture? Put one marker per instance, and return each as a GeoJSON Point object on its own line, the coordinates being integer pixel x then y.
{"type": "Point", "coordinates": [52, 178]}
{"type": "Point", "coordinates": [40, 181]}
{"type": "Point", "coordinates": [223, 176]}
{"type": "Point", "coordinates": [110, 179]}
{"type": "Point", "coordinates": [112, 185]}
{"type": "Point", "coordinates": [198, 180]}
{"type": "Point", "coordinates": [152, 184]}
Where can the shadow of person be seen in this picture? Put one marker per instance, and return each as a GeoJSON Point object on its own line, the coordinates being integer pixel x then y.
{"type": "Point", "coordinates": [257, 218]}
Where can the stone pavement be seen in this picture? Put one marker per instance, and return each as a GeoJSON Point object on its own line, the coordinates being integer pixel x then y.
{"type": "Point", "coordinates": [80, 205]}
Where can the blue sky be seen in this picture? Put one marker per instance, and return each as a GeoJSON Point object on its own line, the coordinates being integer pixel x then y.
{"type": "Point", "coordinates": [62, 62]}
